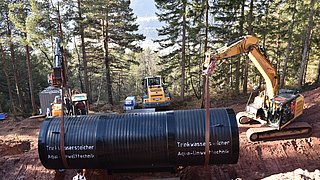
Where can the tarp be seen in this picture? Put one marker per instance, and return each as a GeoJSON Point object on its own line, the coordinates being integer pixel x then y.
{"type": "Point", "coordinates": [3, 116]}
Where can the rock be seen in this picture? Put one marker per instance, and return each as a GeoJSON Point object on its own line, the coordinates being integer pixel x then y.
{"type": "Point", "coordinates": [298, 172]}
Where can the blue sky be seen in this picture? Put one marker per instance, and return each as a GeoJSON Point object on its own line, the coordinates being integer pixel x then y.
{"type": "Point", "coordinates": [143, 8]}
{"type": "Point", "coordinates": [146, 18]}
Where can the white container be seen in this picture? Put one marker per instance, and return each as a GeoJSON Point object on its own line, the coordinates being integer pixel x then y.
{"type": "Point", "coordinates": [129, 103]}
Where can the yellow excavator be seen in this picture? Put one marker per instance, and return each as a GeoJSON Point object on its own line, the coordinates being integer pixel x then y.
{"type": "Point", "coordinates": [274, 109]}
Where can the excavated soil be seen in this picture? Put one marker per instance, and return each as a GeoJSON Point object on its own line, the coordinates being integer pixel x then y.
{"type": "Point", "coordinates": [285, 159]}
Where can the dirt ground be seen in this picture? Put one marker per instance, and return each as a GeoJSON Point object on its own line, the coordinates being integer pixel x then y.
{"type": "Point", "coordinates": [285, 159]}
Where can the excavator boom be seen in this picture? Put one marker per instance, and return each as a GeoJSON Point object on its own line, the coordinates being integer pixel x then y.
{"type": "Point", "coordinates": [248, 45]}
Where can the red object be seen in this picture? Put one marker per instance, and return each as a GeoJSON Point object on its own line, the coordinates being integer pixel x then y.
{"type": "Point", "coordinates": [80, 105]}
{"type": "Point", "coordinates": [56, 77]}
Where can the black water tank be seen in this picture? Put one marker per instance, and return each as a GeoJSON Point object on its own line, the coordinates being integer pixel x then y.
{"type": "Point", "coordinates": [140, 141]}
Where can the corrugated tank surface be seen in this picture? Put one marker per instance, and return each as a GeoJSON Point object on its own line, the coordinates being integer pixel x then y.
{"type": "Point", "coordinates": [140, 140]}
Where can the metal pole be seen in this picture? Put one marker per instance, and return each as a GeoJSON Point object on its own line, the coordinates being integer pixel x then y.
{"type": "Point", "coordinates": [207, 126]}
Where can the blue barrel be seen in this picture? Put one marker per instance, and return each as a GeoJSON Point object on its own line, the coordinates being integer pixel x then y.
{"type": "Point", "coordinates": [157, 140]}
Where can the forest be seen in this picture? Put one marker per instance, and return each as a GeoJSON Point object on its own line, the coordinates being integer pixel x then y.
{"type": "Point", "coordinates": [104, 57]}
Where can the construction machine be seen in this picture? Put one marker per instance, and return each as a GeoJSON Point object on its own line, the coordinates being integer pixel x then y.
{"type": "Point", "coordinates": [55, 79]}
{"type": "Point", "coordinates": [79, 103]}
{"type": "Point", "coordinates": [56, 106]}
{"type": "Point", "coordinates": [75, 103]}
{"type": "Point", "coordinates": [274, 109]}
{"type": "Point", "coordinates": [155, 95]}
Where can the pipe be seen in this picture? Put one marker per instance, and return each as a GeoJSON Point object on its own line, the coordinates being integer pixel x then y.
{"type": "Point", "coordinates": [157, 140]}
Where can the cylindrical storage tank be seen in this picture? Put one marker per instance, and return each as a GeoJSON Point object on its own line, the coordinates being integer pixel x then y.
{"type": "Point", "coordinates": [140, 141]}
{"type": "Point", "coordinates": [47, 97]}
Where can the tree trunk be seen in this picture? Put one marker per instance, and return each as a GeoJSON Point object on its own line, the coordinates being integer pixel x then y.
{"type": "Point", "coordinates": [15, 71]}
{"type": "Point", "coordinates": [237, 71]}
{"type": "Point", "coordinates": [16, 78]}
{"type": "Point", "coordinates": [107, 61]}
{"type": "Point", "coordinates": [195, 92]}
{"type": "Point", "coordinates": [306, 43]}
{"type": "Point", "coordinates": [288, 46]}
{"type": "Point", "coordinates": [64, 55]}
{"type": "Point", "coordinates": [84, 56]}
{"type": "Point", "coordinates": [207, 26]}
{"type": "Point", "coordinates": [266, 26]}
{"type": "Point", "coordinates": [278, 54]}
{"type": "Point", "coordinates": [264, 41]}
{"type": "Point", "coordinates": [33, 103]}
{"type": "Point", "coordinates": [306, 68]}
{"type": "Point", "coordinates": [4, 69]}
{"type": "Point", "coordinates": [250, 31]}
{"type": "Point", "coordinates": [119, 86]}
{"type": "Point", "coordinates": [230, 78]}
{"type": "Point", "coordinates": [99, 90]}
{"type": "Point", "coordinates": [51, 27]}
{"type": "Point", "coordinates": [318, 74]}
{"type": "Point", "coordinates": [183, 53]}
{"type": "Point", "coordinates": [307, 60]}
{"type": "Point", "coordinates": [79, 68]}
{"type": "Point", "coordinates": [205, 49]}
{"type": "Point", "coordinates": [251, 19]}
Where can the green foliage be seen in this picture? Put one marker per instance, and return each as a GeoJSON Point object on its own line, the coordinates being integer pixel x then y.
{"type": "Point", "coordinates": [112, 25]}
{"type": "Point", "coordinates": [115, 61]}
{"type": "Point", "coordinates": [174, 42]}
{"type": "Point", "coordinates": [39, 19]}
{"type": "Point", "coordinates": [270, 21]}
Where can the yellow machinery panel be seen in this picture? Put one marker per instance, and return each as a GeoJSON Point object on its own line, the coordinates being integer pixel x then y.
{"type": "Point", "coordinates": [299, 106]}
{"type": "Point", "coordinates": [56, 109]}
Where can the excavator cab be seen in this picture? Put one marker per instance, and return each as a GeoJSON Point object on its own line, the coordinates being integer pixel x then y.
{"type": "Point", "coordinates": [152, 82]}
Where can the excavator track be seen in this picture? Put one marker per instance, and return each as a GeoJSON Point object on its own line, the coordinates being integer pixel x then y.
{"type": "Point", "coordinates": [293, 130]}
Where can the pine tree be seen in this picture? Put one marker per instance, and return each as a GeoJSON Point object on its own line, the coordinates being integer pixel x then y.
{"type": "Point", "coordinates": [5, 72]}
{"type": "Point", "coordinates": [3, 56]}
{"type": "Point", "coordinates": [197, 44]}
{"type": "Point", "coordinates": [83, 50]}
{"type": "Point", "coordinates": [114, 22]}
{"type": "Point", "coordinates": [306, 44]}
{"type": "Point", "coordinates": [238, 63]}
{"type": "Point", "coordinates": [228, 25]}
{"type": "Point", "coordinates": [9, 27]}
{"type": "Point", "coordinates": [42, 28]}
{"type": "Point", "coordinates": [18, 13]}
{"type": "Point", "coordinates": [173, 14]}
{"type": "Point", "coordinates": [289, 45]}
